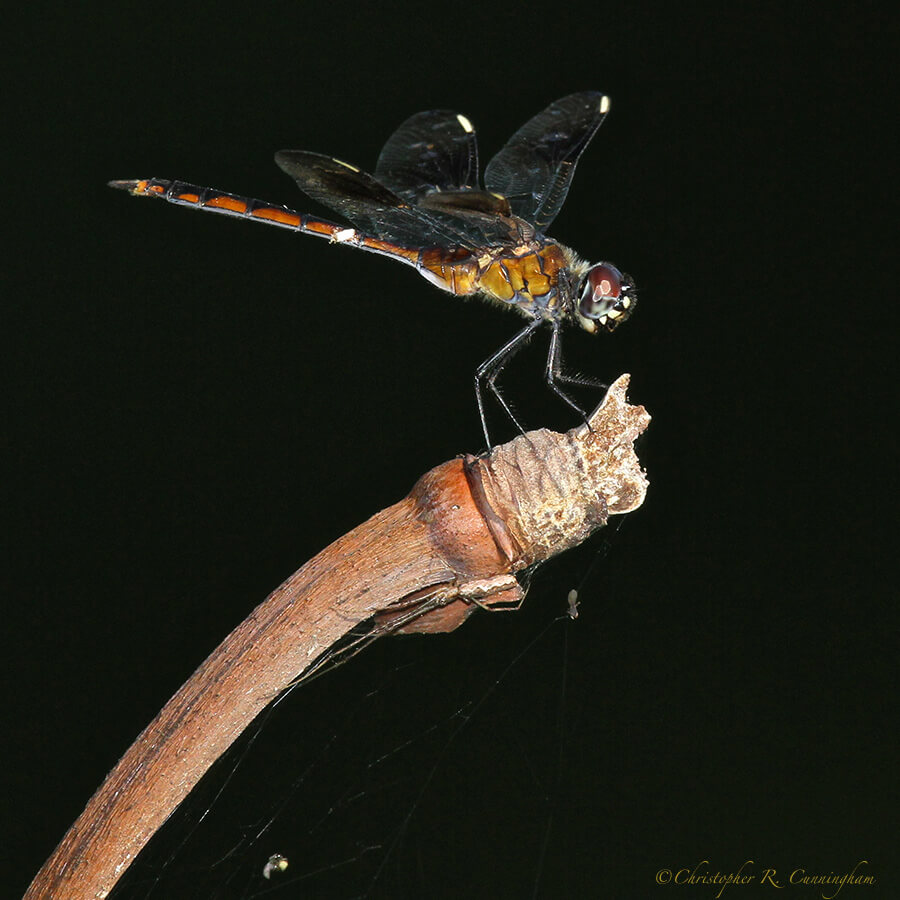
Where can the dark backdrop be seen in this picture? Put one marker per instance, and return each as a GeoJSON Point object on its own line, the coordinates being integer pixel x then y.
{"type": "Point", "coordinates": [198, 406]}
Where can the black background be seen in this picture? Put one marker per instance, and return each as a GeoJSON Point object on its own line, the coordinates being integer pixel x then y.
{"type": "Point", "coordinates": [199, 406]}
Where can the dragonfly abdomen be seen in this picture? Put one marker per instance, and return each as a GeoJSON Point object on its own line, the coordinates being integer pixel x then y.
{"type": "Point", "coordinates": [181, 193]}
{"type": "Point", "coordinates": [456, 270]}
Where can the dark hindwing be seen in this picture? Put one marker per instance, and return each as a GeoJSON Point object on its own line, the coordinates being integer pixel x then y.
{"type": "Point", "coordinates": [368, 204]}
{"type": "Point", "coordinates": [535, 168]}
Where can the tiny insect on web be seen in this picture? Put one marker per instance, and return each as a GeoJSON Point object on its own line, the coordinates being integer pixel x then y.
{"type": "Point", "coordinates": [373, 853]}
{"type": "Point", "coordinates": [275, 864]}
{"type": "Point", "coordinates": [425, 206]}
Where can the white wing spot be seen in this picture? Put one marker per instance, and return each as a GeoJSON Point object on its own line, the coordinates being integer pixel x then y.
{"type": "Point", "coordinates": [466, 124]}
{"type": "Point", "coordinates": [346, 234]}
{"type": "Point", "coordinates": [346, 165]}
{"type": "Point", "coordinates": [604, 104]}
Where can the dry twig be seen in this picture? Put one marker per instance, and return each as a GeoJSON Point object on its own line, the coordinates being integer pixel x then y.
{"type": "Point", "coordinates": [422, 565]}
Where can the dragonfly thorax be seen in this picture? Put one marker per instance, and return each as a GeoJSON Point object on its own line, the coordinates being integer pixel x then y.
{"type": "Point", "coordinates": [536, 280]}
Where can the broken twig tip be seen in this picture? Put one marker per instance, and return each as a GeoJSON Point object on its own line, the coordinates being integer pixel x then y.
{"type": "Point", "coordinates": [552, 490]}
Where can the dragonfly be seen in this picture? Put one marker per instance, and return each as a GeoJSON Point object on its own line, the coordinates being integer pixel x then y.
{"type": "Point", "coordinates": [426, 207]}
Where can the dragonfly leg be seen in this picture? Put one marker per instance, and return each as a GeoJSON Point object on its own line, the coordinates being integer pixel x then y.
{"type": "Point", "coordinates": [491, 368]}
{"type": "Point", "coordinates": [554, 373]}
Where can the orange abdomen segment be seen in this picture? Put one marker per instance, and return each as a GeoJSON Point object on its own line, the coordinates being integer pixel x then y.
{"type": "Point", "coordinates": [451, 270]}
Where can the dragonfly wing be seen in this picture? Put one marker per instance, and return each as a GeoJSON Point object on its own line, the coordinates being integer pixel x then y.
{"type": "Point", "coordinates": [367, 203]}
{"type": "Point", "coordinates": [431, 151]}
{"type": "Point", "coordinates": [535, 168]}
{"type": "Point", "coordinates": [431, 161]}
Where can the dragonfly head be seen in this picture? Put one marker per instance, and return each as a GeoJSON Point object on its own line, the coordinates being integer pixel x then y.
{"type": "Point", "coordinates": [606, 298]}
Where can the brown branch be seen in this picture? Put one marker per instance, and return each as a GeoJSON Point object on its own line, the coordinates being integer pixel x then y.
{"type": "Point", "coordinates": [422, 565]}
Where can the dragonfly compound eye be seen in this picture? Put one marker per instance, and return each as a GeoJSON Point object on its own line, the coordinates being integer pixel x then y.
{"type": "Point", "coordinates": [606, 296]}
